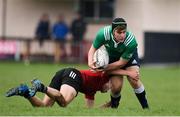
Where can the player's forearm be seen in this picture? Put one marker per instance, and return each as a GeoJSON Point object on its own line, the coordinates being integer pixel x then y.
{"type": "Point", "coordinates": [133, 74]}
{"type": "Point", "coordinates": [119, 72]}
{"type": "Point", "coordinates": [90, 55]}
{"type": "Point", "coordinates": [116, 65]}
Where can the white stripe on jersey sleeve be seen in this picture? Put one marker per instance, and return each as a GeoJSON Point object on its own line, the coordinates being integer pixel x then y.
{"type": "Point", "coordinates": [106, 33]}
{"type": "Point", "coordinates": [130, 41]}
{"type": "Point", "coordinates": [128, 38]}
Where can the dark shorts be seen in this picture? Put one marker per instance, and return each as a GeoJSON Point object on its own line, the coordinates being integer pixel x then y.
{"type": "Point", "coordinates": [69, 76]}
{"type": "Point", "coordinates": [134, 61]}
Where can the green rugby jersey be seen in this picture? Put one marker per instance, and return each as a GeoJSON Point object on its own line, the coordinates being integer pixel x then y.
{"type": "Point", "coordinates": [115, 50]}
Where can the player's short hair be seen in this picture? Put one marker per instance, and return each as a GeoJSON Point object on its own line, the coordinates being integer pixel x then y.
{"type": "Point", "coordinates": [119, 23]}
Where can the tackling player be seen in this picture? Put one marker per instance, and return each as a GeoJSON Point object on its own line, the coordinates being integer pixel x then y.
{"type": "Point", "coordinates": [122, 49]}
{"type": "Point", "coordinates": [65, 86]}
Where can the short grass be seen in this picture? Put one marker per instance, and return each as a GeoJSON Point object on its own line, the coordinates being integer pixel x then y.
{"type": "Point", "coordinates": [162, 86]}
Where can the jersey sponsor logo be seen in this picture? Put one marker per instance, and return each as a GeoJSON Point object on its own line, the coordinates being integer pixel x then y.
{"type": "Point", "coordinates": [72, 75]}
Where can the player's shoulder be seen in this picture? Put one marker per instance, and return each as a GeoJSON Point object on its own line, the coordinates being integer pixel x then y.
{"type": "Point", "coordinates": [105, 32]}
{"type": "Point", "coordinates": [130, 39]}
{"type": "Point", "coordinates": [86, 71]}
{"type": "Point", "coordinates": [90, 72]}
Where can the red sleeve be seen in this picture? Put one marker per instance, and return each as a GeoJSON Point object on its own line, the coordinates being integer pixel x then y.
{"type": "Point", "coordinates": [90, 96]}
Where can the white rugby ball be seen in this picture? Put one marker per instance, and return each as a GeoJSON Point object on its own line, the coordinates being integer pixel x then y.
{"type": "Point", "coordinates": [101, 57]}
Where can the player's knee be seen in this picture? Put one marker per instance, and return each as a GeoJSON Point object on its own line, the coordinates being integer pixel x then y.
{"type": "Point", "coordinates": [116, 84]}
{"type": "Point", "coordinates": [47, 105]}
{"type": "Point", "coordinates": [135, 83]}
{"type": "Point", "coordinates": [116, 89]}
{"type": "Point", "coordinates": [47, 101]}
{"type": "Point", "coordinates": [61, 101]}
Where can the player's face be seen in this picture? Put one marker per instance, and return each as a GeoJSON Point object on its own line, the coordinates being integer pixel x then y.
{"type": "Point", "coordinates": [119, 35]}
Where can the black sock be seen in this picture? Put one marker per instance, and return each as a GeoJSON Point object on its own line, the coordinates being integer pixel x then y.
{"type": "Point", "coordinates": [43, 89]}
{"type": "Point", "coordinates": [115, 101]}
{"type": "Point", "coordinates": [27, 96]}
{"type": "Point", "coordinates": [142, 99]}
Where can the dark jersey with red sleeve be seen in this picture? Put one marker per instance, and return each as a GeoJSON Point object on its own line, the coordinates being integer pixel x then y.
{"type": "Point", "coordinates": [92, 82]}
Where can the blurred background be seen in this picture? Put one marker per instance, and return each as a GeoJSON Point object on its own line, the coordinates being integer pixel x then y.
{"type": "Point", "coordinates": [50, 31]}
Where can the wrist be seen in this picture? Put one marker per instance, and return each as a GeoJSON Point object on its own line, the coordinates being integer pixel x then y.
{"type": "Point", "coordinates": [127, 73]}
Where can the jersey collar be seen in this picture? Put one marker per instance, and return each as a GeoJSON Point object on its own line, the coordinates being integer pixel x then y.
{"type": "Point", "coordinates": [115, 43]}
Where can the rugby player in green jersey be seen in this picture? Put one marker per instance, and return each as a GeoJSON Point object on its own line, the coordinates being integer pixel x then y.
{"type": "Point", "coordinates": [122, 49]}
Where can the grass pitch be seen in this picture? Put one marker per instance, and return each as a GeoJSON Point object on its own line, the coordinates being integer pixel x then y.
{"type": "Point", "coordinates": [162, 87]}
